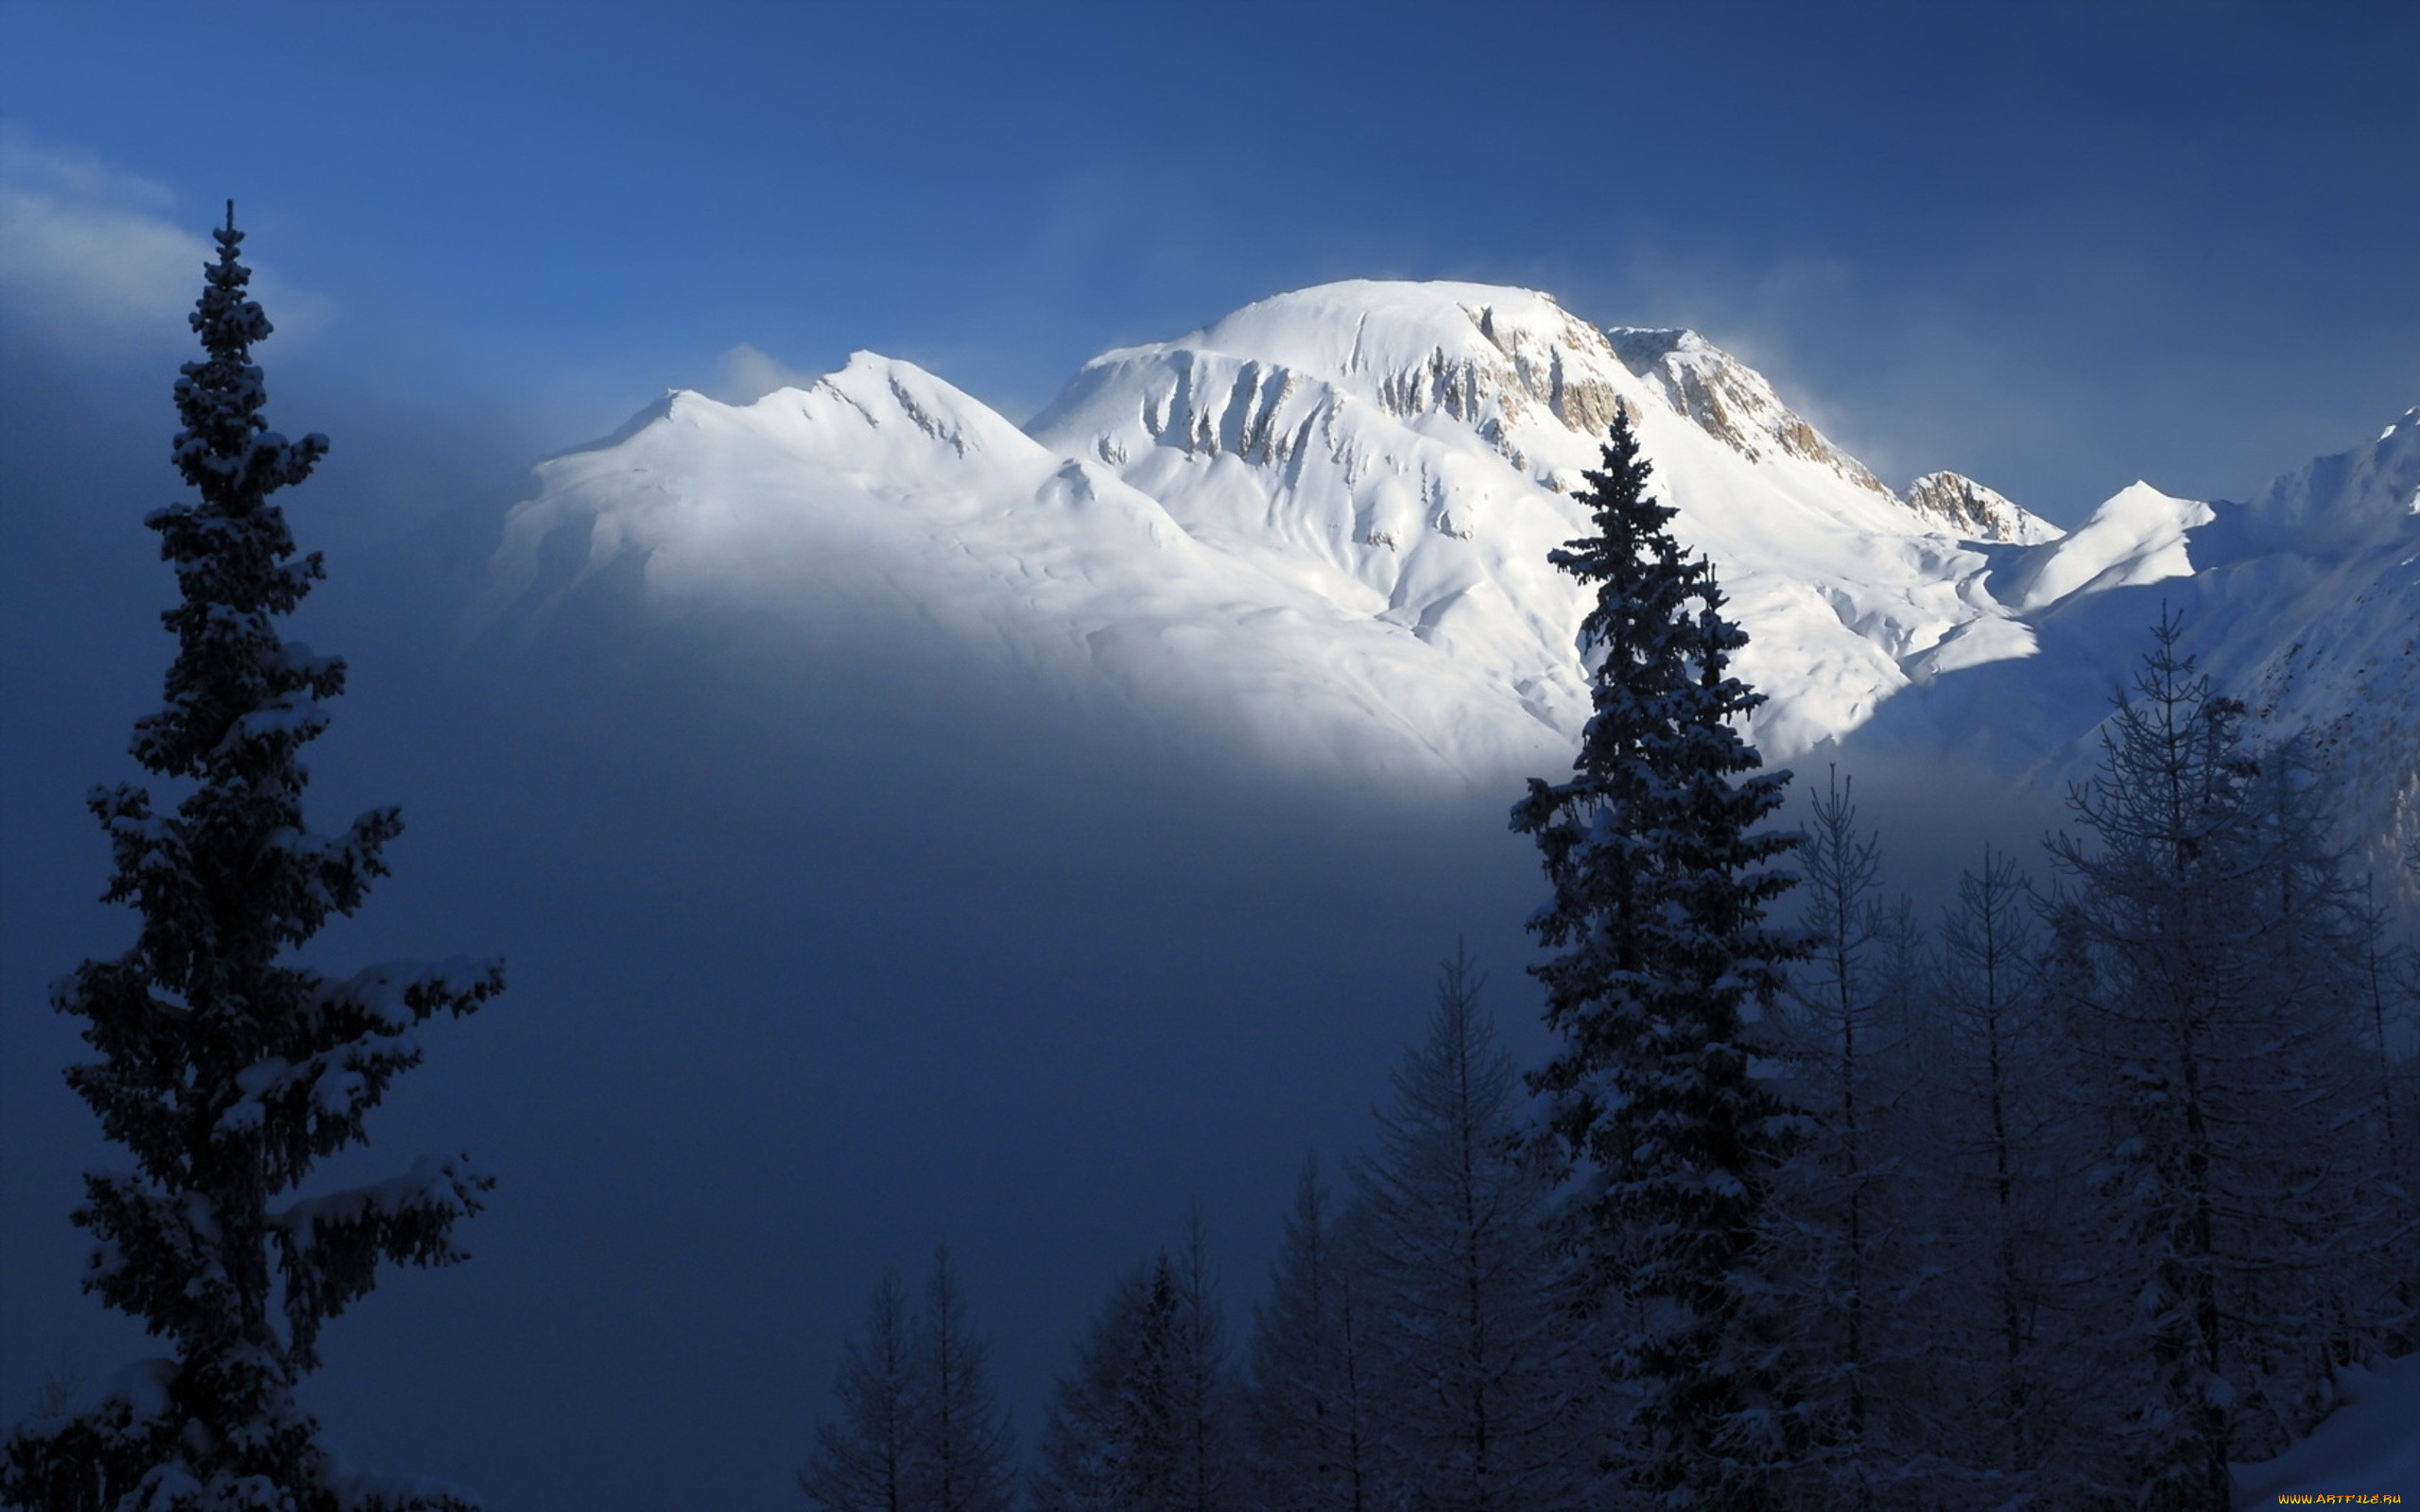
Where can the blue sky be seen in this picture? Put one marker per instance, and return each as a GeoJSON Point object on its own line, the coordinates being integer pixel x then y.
{"type": "Point", "coordinates": [765, 1034]}
{"type": "Point", "coordinates": [2057, 246]}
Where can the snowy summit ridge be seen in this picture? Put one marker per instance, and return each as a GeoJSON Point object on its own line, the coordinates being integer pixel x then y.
{"type": "Point", "coordinates": [1324, 520]}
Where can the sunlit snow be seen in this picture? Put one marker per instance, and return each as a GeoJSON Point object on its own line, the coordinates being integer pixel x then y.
{"type": "Point", "coordinates": [1326, 516]}
{"type": "Point", "coordinates": [1322, 524]}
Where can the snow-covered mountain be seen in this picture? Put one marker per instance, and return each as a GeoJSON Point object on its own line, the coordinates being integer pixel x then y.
{"type": "Point", "coordinates": [1329, 512]}
{"type": "Point", "coordinates": [2304, 601]}
{"type": "Point", "coordinates": [2309, 602]}
{"type": "Point", "coordinates": [1323, 523]}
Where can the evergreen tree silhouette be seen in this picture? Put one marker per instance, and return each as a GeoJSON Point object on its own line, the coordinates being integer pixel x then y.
{"type": "Point", "coordinates": [1662, 882]}
{"type": "Point", "coordinates": [224, 1070]}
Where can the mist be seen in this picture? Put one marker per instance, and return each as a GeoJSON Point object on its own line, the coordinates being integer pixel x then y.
{"type": "Point", "coordinates": [820, 952]}
{"type": "Point", "coordinates": [816, 959]}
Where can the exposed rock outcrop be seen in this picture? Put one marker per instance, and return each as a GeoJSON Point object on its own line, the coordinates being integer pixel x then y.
{"type": "Point", "coordinates": [1974, 512]}
{"type": "Point", "coordinates": [1731, 400]}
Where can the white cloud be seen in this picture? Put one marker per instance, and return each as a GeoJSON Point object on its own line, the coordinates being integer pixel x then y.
{"type": "Point", "coordinates": [89, 260]}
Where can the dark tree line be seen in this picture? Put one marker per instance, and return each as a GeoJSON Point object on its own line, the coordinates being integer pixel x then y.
{"type": "Point", "coordinates": [920, 1429]}
{"type": "Point", "coordinates": [2067, 1197]}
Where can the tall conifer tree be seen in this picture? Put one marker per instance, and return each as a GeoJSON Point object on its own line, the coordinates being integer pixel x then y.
{"type": "Point", "coordinates": [226, 1071]}
{"type": "Point", "coordinates": [2216, 965]}
{"type": "Point", "coordinates": [1145, 1420]}
{"type": "Point", "coordinates": [1311, 1403]}
{"type": "Point", "coordinates": [919, 1428]}
{"type": "Point", "coordinates": [1114, 1437]}
{"type": "Point", "coordinates": [1846, 1245]}
{"type": "Point", "coordinates": [1662, 882]}
{"type": "Point", "coordinates": [1480, 1377]}
{"type": "Point", "coordinates": [868, 1460]}
{"type": "Point", "coordinates": [966, 1455]}
{"type": "Point", "coordinates": [1998, 1157]}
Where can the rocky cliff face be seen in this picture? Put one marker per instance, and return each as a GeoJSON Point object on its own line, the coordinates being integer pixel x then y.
{"type": "Point", "coordinates": [1734, 403]}
{"type": "Point", "coordinates": [1731, 400]}
{"type": "Point", "coordinates": [1967, 509]}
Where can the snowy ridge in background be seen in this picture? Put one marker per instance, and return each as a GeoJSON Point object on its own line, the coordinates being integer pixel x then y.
{"type": "Point", "coordinates": [2310, 601]}
{"type": "Point", "coordinates": [2305, 602]}
{"type": "Point", "coordinates": [1323, 523]}
{"type": "Point", "coordinates": [882, 506]}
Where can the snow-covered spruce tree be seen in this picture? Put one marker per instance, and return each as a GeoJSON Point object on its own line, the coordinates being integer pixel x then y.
{"type": "Point", "coordinates": [1309, 1404]}
{"type": "Point", "coordinates": [1143, 1423]}
{"type": "Point", "coordinates": [1484, 1394]}
{"type": "Point", "coordinates": [867, 1461]}
{"type": "Point", "coordinates": [1661, 884]}
{"type": "Point", "coordinates": [2210, 978]}
{"type": "Point", "coordinates": [966, 1455]}
{"type": "Point", "coordinates": [226, 1071]}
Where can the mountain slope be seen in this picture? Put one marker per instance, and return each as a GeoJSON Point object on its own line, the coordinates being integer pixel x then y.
{"type": "Point", "coordinates": [1420, 442]}
{"type": "Point", "coordinates": [882, 512]}
{"type": "Point", "coordinates": [2312, 606]}
{"type": "Point", "coordinates": [1329, 512]}
{"type": "Point", "coordinates": [2304, 601]}
{"type": "Point", "coordinates": [1321, 525]}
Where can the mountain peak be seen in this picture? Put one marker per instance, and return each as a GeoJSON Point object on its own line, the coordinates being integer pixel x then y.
{"type": "Point", "coordinates": [1975, 512]}
{"type": "Point", "coordinates": [1731, 400]}
{"type": "Point", "coordinates": [2137, 535]}
{"type": "Point", "coordinates": [1385, 326]}
{"type": "Point", "coordinates": [1415, 447]}
{"type": "Point", "coordinates": [1504, 361]}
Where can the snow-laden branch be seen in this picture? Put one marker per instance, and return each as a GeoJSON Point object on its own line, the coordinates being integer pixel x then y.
{"type": "Point", "coordinates": [328, 1247]}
